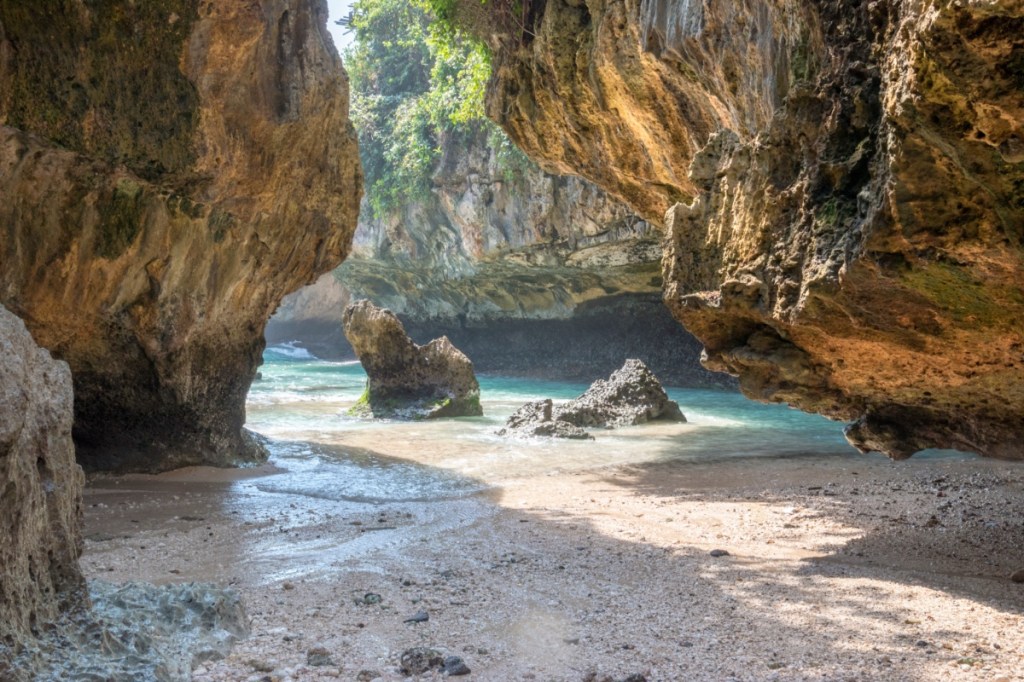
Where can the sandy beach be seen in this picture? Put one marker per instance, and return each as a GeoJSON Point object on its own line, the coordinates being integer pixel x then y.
{"type": "Point", "coordinates": [836, 568]}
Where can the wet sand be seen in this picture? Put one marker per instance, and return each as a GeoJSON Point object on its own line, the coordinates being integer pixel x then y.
{"type": "Point", "coordinates": [838, 568]}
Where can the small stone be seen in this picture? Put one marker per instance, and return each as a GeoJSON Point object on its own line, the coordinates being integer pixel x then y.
{"type": "Point", "coordinates": [1017, 576]}
{"type": "Point", "coordinates": [418, 617]}
{"type": "Point", "coordinates": [921, 643]}
{"type": "Point", "coordinates": [453, 665]}
{"type": "Point", "coordinates": [261, 666]}
{"type": "Point", "coordinates": [286, 585]}
{"type": "Point", "coordinates": [367, 675]}
{"type": "Point", "coordinates": [370, 598]}
{"type": "Point", "coordinates": [718, 552]}
{"type": "Point", "coordinates": [319, 656]}
{"type": "Point", "coordinates": [635, 677]}
{"type": "Point", "coordinates": [419, 660]}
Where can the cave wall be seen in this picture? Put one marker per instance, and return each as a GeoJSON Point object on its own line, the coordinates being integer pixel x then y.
{"type": "Point", "coordinates": [841, 184]}
{"type": "Point", "coordinates": [169, 170]}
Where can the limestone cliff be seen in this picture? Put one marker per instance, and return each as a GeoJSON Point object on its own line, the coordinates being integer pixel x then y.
{"type": "Point", "coordinates": [41, 504]}
{"type": "Point", "coordinates": [841, 183]}
{"type": "Point", "coordinates": [170, 170]}
{"type": "Point", "coordinates": [525, 271]}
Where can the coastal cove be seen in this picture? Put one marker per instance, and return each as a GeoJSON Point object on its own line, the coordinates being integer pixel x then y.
{"type": "Point", "coordinates": [514, 340]}
{"type": "Point", "coordinates": [554, 560]}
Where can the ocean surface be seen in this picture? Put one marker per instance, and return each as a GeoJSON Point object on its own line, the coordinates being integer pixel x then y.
{"type": "Point", "coordinates": [301, 404]}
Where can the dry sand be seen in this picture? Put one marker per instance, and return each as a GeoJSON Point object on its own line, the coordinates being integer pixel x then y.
{"type": "Point", "coordinates": [837, 569]}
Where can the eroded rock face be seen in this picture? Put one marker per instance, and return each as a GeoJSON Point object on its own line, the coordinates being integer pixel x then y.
{"type": "Point", "coordinates": [404, 379]}
{"type": "Point", "coordinates": [41, 500]}
{"type": "Point", "coordinates": [841, 183]}
{"type": "Point", "coordinates": [169, 171]}
{"type": "Point", "coordinates": [631, 395]}
{"type": "Point", "coordinates": [538, 419]}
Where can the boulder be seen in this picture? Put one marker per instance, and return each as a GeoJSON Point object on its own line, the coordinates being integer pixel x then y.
{"type": "Point", "coordinates": [631, 395]}
{"type": "Point", "coordinates": [41, 503]}
{"type": "Point", "coordinates": [406, 380]}
{"type": "Point", "coordinates": [536, 419]}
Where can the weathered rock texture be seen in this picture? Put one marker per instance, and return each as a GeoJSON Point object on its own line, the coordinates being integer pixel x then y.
{"type": "Point", "coordinates": [525, 271]}
{"type": "Point", "coordinates": [404, 379]}
{"type": "Point", "coordinates": [169, 171]}
{"type": "Point", "coordinates": [41, 500]}
{"type": "Point", "coordinates": [538, 419]}
{"type": "Point", "coordinates": [845, 182]}
{"type": "Point", "coordinates": [631, 395]}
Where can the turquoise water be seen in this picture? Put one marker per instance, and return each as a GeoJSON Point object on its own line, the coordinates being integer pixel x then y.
{"type": "Point", "coordinates": [300, 394]}
{"type": "Point", "coordinates": [301, 402]}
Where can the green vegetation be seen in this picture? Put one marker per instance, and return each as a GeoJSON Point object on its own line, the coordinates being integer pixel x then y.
{"type": "Point", "coordinates": [416, 83]}
{"type": "Point", "coordinates": [508, 22]}
{"type": "Point", "coordinates": [362, 406]}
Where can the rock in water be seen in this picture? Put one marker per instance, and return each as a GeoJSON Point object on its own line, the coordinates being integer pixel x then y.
{"type": "Point", "coordinates": [631, 395]}
{"type": "Point", "coordinates": [406, 380]}
{"type": "Point", "coordinates": [169, 171]}
{"type": "Point", "coordinates": [41, 504]}
{"type": "Point", "coordinates": [536, 419]}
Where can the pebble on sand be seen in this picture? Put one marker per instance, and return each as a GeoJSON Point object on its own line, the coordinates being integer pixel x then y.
{"type": "Point", "coordinates": [319, 656]}
{"type": "Point", "coordinates": [453, 666]}
{"type": "Point", "coordinates": [419, 660]}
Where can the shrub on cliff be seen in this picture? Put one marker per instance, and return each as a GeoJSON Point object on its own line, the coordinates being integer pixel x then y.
{"type": "Point", "coordinates": [415, 82]}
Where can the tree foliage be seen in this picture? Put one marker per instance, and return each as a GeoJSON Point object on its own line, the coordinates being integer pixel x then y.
{"type": "Point", "coordinates": [414, 82]}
